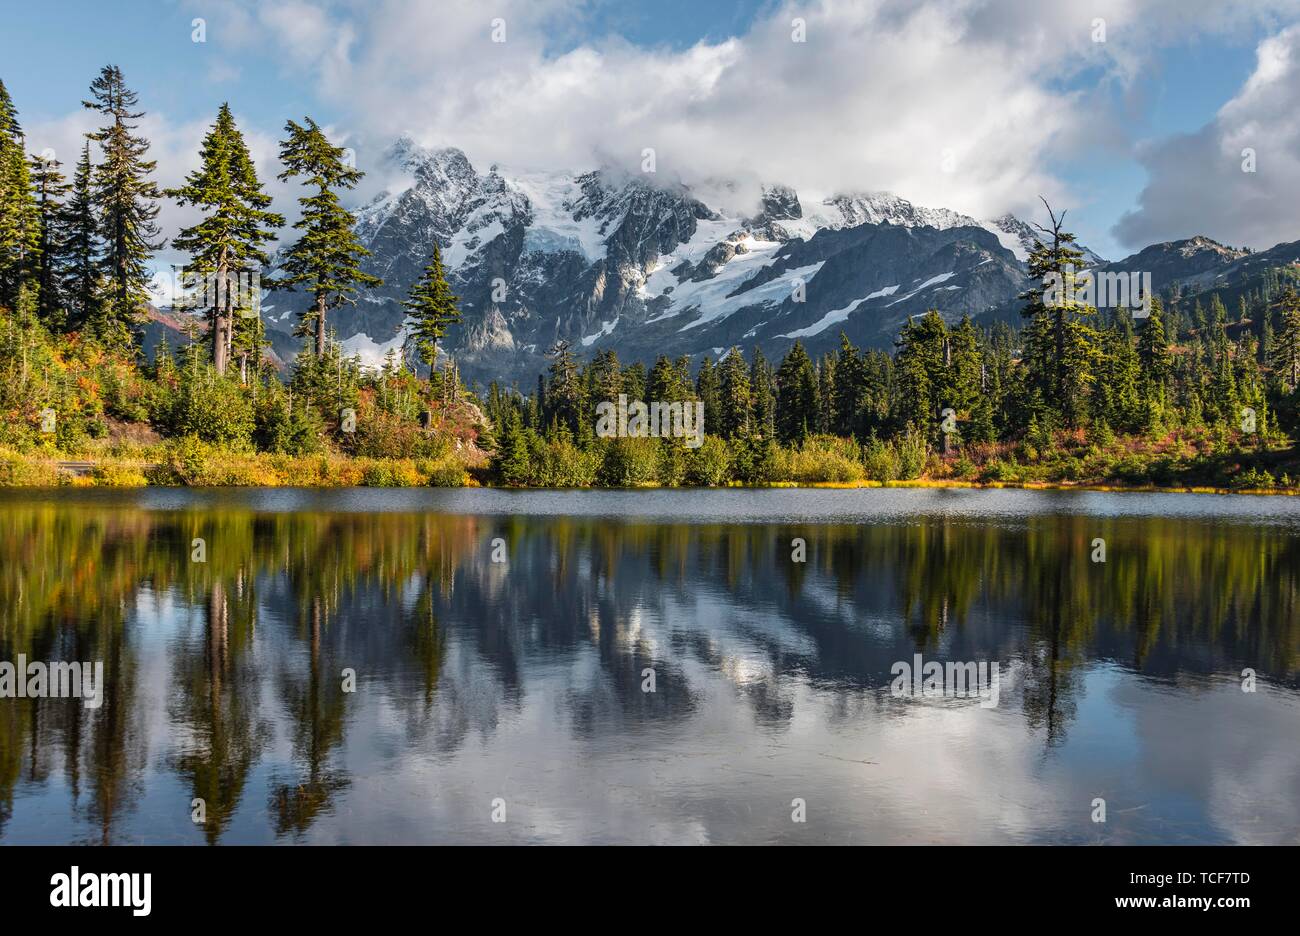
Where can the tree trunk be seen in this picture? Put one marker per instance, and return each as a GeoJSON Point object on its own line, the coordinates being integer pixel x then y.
{"type": "Point", "coordinates": [221, 321]}
{"type": "Point", "coordinates": [320, 325]}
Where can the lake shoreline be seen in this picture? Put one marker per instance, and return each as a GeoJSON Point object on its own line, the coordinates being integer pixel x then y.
{"type": "Point", "coordinates": [402, 474]}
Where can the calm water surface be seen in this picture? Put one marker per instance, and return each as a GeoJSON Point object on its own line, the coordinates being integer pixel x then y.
{"type": "Point", "coordinates": [523, 680]}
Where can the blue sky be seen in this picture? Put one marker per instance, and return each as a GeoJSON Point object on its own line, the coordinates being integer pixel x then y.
{"type": "Point", "coordinates": [1100, 128]}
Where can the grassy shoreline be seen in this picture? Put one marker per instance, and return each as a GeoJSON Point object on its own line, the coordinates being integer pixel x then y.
{"type": "Point", "coordinates": [168, 468]}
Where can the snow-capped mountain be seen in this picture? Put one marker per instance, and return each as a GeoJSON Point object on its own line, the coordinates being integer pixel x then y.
{"type": "Point", "coordinates": [603, 259]}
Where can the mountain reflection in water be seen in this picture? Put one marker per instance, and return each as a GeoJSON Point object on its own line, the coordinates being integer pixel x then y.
{"type": "Point", "coordinates": [523, 681]}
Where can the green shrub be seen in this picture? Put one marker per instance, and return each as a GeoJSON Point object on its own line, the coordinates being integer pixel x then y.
{"type": "Point", "coordinates": [390, 474]}
{"type": "Point", "coordinates": [185, 461]}
{"type": "Point", "coordinates": [213, 409]}
{"type": "Point", "coordinates": [118, 476]}
{"type": "Point", "coordinates": [880, 461]}
{"type": "Point", "coordinates": [628, 462]}
{"type": "Point", "coordinates": [288, 431]}
{"type": "Point", "coordinates": [709, 465]}
{"type": "Point", "coordinates": [822, 459]}
{"type": "Point", "coordinates": [447, 474]}
{"type": "Point", "coordinates": [912, 452]}
{"type": "Point", "coordinates": [17, 471]}
{"type": "Point", "coordinates": [754, 460]}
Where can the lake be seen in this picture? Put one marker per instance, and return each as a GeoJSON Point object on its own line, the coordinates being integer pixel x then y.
{"type": "Point", "coordinates": [430, 666]}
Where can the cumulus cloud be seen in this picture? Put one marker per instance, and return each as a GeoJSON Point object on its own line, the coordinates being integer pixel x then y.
{"type": "Point", "coordinates": [1198, 183]}
{"type": "Point", "coordinates": [962, 103]}
{"type": "Point", "coordinates": [967, 104]}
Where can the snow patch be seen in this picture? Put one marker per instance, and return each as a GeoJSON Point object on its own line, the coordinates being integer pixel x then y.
{"type": "Point", "coordinates": [838, 315]}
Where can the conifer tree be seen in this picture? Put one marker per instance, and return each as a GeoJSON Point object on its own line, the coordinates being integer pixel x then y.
{"type": "Point", "coordinates": [796, 396]}
{"type": "Point", "coordinates": [227, 245]}
{"type": "Point", "coordinates": [326, 260]}
{"type": "Point", "coordinates": [1060, 347]}
{"type": "Point", "coordinates": [20, 223]}
{"type": "Point", "coordinates": [10, 129]}
{"type": "Point", "coordinates": [848, 390]}
{"type": "Point", "coordinates": [81, 245]}
{"type": "Point", "coordinates": [762, 382]}
{"type": "Point", "coordinates": [605, 377]}
{"type": "Point", "coordinates": [663, 385]}
{"type": "Point", "coordinates": [923, 383]}
{"type": "Point", "coordinates": [709, 392]}
{"type": "Point", "coordinates": [431, 308]}
{"type": "Point", "coordinates": [1286, 343]}
{"type": "Point", "coordinates": [51, 190]}
{"type": "Point", "coordinates": [735, 395]}
{"type": "Point", "coordinates": [1153, 354]}
{"type": "Point", "coordinates": [565, 400]}
{"type": "Point", "coordinates": [126, 201]}
{"type": "Point", "coordinates": [964, 366]}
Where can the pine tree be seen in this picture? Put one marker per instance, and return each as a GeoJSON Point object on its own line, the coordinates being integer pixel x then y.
{"type": "Point", "coordinates": [1153, 354]}
{"type": "Point", "coordinates": [81, 246]}
{"type": "Point", "coordinates": [1060, 347]}
{"type": "Point", "coordinates": [10, 129]}
{"type": "Point", "coordinates": [605, 377]}
{"type": "Point", "coordinates": [565, 399]}
{"type": "Point", "coordinates": [825, 393]}
{"type": "Point", "coordinates": [963, 390]}
{"type": "Point", "coordinates": [326, 260]}
{"type": "Point", "coordinates": [708, 390]}
{"type": "Point", "coordinates": [796, 396]}
{"type": "Point", "coordinates": [734, 397]}
{"type": "Point", "coordinates": [762, 382]}
{"type": "Point", "coordinates": [20, 223]}
{"type": "Point", "coordinates": [848, 390]}
{"type": "Point", "coordinates": [923, 381]}
{"type": "Point", "coordinates": [1286, 343]}
{"type": "Point", "coordinates": [432, 307]}
{"type": "Point", "coordinates": [126, 201]}
{"type": "Point", "coordinates": [226, 247]}
{"type": "Point", "coordinates": [664, 384]}
{"type": "Point", "coordinates": [513, 465]}
{"type": "Point", "coordinates": [51, 190]}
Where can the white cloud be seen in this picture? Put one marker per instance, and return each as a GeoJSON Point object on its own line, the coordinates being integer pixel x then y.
{"type": "Point", "coordinates": [958, 103]}
{"type": "Point", "coordinates": [1197, 183]}
{"type": "Point", "coordinates": [965, 104]}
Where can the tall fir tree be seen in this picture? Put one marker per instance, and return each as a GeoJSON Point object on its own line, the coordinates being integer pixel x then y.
{"type": "Point", "coordinates": [565, 396]}
{"type": "Point", "coordinates": [605, 377]}
{"type": "Point", "coordinates": [1286, 343]}
{"type": "Point", "coordinates": [51, 191]}
{"type": "Point", "coordinates": [735, 398]}
{"type": "Point", "coordinates": [20, 221]}
{"type": "Point", "coordinates": [708, 390]}
{"type": "Point", "coordinates": [227, 247]}
{"type": "Point", "coordinates": [1060, 346]}
{"type": "Point", "coordinates": [431, 308]}
{"type": "Point", "coordinates": [1154, 356]}
{"type": "Point", "coordinates": [326, 260]}
{"type": "Point", "coordinates": [126, 200]}
{"type": "Point", "coordinates": [796, 396]}
{"type": "Point", "coordinates": [762, 383]}
{"type": "Point", "coordinates": [923, 383]}
{"type": "Point", "coordinates": [81, 246]}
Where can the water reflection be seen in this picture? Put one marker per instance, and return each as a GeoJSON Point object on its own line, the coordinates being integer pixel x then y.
{"type": "Point", "coordinates": [524, 680]}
